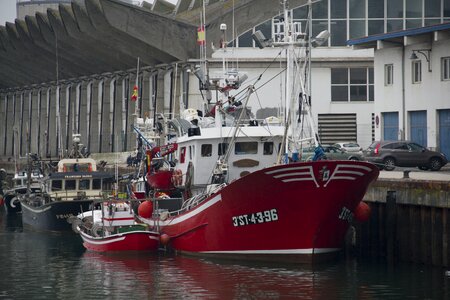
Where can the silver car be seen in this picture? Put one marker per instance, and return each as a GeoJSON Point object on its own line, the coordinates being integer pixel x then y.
{"type": "Point", "coordinates": [349, 147]}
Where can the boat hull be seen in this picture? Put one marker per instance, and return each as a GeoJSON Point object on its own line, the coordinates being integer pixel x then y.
{"type": "Point", "coordinates": [11, 201]}
{"type": "Point", "coordinates": [52, 216]}
{"type": "Point", "coordinates": [297, 212]}
{"type": "Point", "coordinates": [127, 241]}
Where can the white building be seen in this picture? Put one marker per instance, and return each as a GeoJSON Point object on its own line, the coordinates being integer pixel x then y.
{"type": "Point", "coordinates": [412, 85]}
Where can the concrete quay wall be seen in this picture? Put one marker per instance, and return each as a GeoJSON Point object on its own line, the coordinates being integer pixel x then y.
{"type": "Point", "coordinates": [409, 222]}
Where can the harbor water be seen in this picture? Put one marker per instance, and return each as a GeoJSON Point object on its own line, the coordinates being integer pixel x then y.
{"type": "Point", "coordinates": [42, 265]}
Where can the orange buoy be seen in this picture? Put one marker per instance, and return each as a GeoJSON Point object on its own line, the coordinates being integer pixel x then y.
{"type": "Point", "coordinates": [164, 239]}
{"type": "Point", "coordinates": [145, 209]}
{"type": "Point", "coordinates": [362, 212]}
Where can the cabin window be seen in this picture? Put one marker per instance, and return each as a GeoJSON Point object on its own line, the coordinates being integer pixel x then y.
{"type": "Point", "coordinates": [84, 184]}
{"type": "Point", "coordinates": [71, 185]}
{"type": "Point", "coordinates": [268, 148]}
{"type": "Point", "coordinates": [56, 185]}
{"type": "Point", "coordinates": [246, 148]}
{"type": "Point", "coordinates": [191, 152]}
{"type": "Point", "coordinates": [182, 155]}
{"type": "Point", "coordinates": [97, 184]}
{"type": "Point", "coordinates": [206, 150]}
{"type": "Point", "coordinates": [223, 147]}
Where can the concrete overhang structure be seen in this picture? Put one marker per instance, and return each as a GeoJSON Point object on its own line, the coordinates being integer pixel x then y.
{"type": "Point", "coordinates": [94, 37]}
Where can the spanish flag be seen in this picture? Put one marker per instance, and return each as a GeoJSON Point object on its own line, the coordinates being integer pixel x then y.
{"type": "Point", "coordinates": [201, 35]}
{"type": "Point", "coordinates": [134, 96]}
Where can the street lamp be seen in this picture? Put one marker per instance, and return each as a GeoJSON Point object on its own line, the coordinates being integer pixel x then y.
{"type": "Point", "coordinates": [426, 53]}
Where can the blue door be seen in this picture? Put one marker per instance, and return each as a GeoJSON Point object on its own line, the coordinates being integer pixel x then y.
{"type": "Point", "coordinates": [390, 126]}
{"type": "Point", "coordinates": [444, 132]}
{"type": "Point", "coordinates": [418, 126]}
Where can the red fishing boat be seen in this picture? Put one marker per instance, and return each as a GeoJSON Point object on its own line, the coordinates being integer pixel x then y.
{"type": "Point", "coordinates": [113, 228]}
{"type": "Point", "coordinates": [295, 212]}
{"type": "Point", "coordinates": [253, 197]}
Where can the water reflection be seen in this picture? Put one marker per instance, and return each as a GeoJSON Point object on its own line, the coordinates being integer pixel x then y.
{"type": "Point", "coordinates": [169, 277]}
{"type": "Point", "coordinates": [40, 265]}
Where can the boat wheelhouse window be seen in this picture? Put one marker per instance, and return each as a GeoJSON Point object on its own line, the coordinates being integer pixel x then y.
{"type": "Point", "coordinates": [206, 150]}
{"type": "Point", "coordinates": [223, 147]}
{"type": "Point", "coordinates": [191, 152]}
{"type": "Point", "coordinates": [56, 185]}
{"type": "Point", "coordinates": [84, 184]}
{"type": "Point", "coordinates": [71, 185]}
{"type": "Point", "coordinates": [182, 155]}
{"type": "Point", "coordinates": [96, 184]}
{"type": "Point", "coordinates": [268, 148]}
{"type": "Point", "coordinates": [246, 148]}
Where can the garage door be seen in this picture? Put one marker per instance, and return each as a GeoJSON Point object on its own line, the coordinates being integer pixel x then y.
{"type": "Point", "coordinates": [390, 126]}
{"type": "Point", "coordinates": [444, 131]}
{"type": "Point", "coordinates": [418, 127]}
{"type": "Point", "coordinates": [335, 128]}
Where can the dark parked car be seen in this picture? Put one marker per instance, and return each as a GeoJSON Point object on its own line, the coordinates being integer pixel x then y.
{"type": "Point", "coordinates": [388, 154]}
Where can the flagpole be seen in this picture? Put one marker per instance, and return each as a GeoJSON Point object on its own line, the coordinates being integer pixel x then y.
{"type": "Point", "coordinates": [135, 95]}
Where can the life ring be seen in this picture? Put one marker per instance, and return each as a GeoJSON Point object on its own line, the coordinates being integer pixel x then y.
{"type": "Point", "coordinates": [177, 177]}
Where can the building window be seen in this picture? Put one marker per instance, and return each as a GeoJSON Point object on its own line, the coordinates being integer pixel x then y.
{"type": "Point", "coordinates": [416, 71]}
{"type": "Point", "coordinates": [388, 74]}
{"type": "Point", "coordinates": [445, 67]}
{"type": "Point", "coordinates": [351, 84]}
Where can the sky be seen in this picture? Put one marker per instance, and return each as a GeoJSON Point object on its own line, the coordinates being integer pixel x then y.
{"type": "Point", "coordinates": [7, 11]}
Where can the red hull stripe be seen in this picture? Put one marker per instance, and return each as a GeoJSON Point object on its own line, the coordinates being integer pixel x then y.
{"type": "Point", "coordinates": [306, 175]}
{"type": "Point", "coordinates": [341, 170]}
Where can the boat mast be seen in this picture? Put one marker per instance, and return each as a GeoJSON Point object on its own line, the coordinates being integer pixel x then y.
{"type": "Point", "coordinates": [298, 75]}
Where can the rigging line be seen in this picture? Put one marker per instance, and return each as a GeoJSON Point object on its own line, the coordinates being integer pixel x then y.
{"type": "Point", "coordinates": [276, 57]}
{"type": "Point", "coordinates": [273, 77]}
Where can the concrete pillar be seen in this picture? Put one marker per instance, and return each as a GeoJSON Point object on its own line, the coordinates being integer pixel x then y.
{"type": "Point", "coordinates": [22, 124]}
{"type": "Point", "coordinates": [131, 114]}
{"type": "Point", "coordinates": [50, 125]}
{"type": "Point", "coordinates": [100, 101]}
{"type": "Point", "coordinates": [30, 136]}
{"type": "Point", "coordinates": [16, 115]}
{"type": "Point", "coordinates": [168, 96]}
{"type": "Point", "coordinates": [153, 80]}
{"type": "Point", "coordinates": [37, 130]}
{"type": "Point", "coordinates": [4, 133]}
{"type": "Point", "coordinates": [125, 89]}
{"type": "Point", "coordinates": [145, 96]}
{"type": "Point", "coordinates": [113, 143]}
{"type": "Point", "coordinates": [68, 117]}
{"type": "Point", "coordinates": [89, 113]}
{"type": "Point", "coordinates": [58, 121]}
{"type": "Point", "coordinates": [77, 109]}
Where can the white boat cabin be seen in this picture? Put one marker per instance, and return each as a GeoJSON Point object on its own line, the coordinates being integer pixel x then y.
{"type": "Point", "coordinates": [254, 148]}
